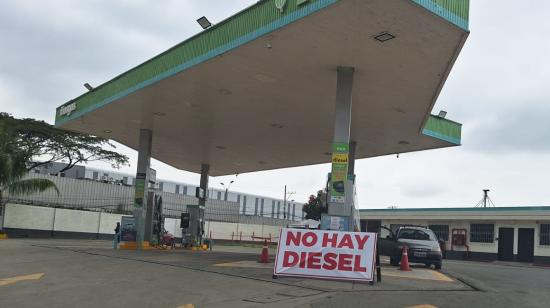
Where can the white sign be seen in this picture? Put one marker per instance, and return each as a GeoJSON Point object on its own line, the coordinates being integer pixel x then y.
{"type": "Point", "coordinates": [67, 109]}
{"type": "Point", "coordinates": [334, 223]}
{"type": "Point", "coordinates": [326, 254]}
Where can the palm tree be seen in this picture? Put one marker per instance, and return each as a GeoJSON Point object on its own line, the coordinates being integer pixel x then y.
{"type": "Point", "coordinates": [13, 169]}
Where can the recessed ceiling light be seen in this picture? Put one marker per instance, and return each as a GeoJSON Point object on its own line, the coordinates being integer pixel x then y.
{"type": "Point", "coordinates": [261, 162]}
{"type": "Point", "coordinates": [384, 37]}
{"type": "Point", "coordinates": [403, 142]}
{"type": "Point", "coordinates": [159, 114]}
{"type": "Point", "coordinates": [275, 125]}
{"type": "Point", "coordinates": [107, 131]}
{"type": "Point", "coordinates": [204, 22]}
{"type": "Point", "coordinates": [220, 147]}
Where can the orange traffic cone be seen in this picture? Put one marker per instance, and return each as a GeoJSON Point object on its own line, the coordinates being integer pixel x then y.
{"type": "Point", "coordinates": [405, 260]}
{"type": "Point", "coordinates": [264, 256]}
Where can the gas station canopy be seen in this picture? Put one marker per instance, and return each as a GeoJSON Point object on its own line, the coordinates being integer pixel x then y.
{"type": "Point", "coordinates": [257, 91]}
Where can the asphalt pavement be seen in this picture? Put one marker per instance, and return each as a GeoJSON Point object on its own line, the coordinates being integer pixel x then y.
{"type": "Point", "coordinates": [80, 273]}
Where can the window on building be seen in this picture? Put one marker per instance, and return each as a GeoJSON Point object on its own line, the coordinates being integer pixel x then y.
{"type": "Point", "coordinates": [219, 195]}
{"type": "Point", "coordinates": [239, 199]}
{"type": "Point", "coordinates": [125, 180]}
{"type": "Point", "coordinates": [294, 211]}
{"type": "Point", "coordinates": [185, 190]}
{"type": "Point", "coordinates": [441, 231]}
{"type": "Point", "coordinates": [177, 189]}
{"type": "Point", "coordinates": [272, 208]}
{"type": "Point", "coordinates": [278, 209]}
{"type": "Point", "coordinates": [545, 234]}
{"type": "Point", "coordinates": [161, 186]}
{"type": "Point", "coordinates": [95, 175]}
{"type": "Point", "coordinates": [256, 207]}
{"type": "Point", "coordinates": [244, 205]}
{"type": "Point", "coordinates": [482, 233]}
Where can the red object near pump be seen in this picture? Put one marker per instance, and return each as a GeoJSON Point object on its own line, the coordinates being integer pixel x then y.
{"type": "Point", "coordinates": [459, 238]}
{"type": "Point", "coordinates": [405, 260]}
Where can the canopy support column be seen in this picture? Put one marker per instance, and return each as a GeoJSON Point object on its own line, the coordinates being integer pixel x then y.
{"type": "Point", "coordinates": [142, 183]}
{"type": "Point", "coordinates": [341, 188]}
{"type": "Point", "coordinates": [351, 168]}
{"type": "Point", "coordinates": [205, 168]}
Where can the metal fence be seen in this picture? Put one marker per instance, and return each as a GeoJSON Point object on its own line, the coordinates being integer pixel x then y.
{"type": "Point", "coordinates": [90, 195]}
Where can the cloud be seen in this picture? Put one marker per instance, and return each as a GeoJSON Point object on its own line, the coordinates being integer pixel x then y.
{"type": "Point", "coordinates": [498, 89]}
{"type": "Point", "coordinates": [421, 190]}
{"type": "Point", "coordinates": [50, 56]}
{"type": "Point", "coordinates": [512, 131]}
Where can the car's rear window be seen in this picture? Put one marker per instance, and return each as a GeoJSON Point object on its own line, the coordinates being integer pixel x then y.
{"type": "Point", "coordinates": [414, 234]}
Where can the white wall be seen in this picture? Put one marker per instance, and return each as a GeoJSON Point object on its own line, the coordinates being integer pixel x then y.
{"type": "Point", "coordinates": [28, 217]}
{"type": "Point", "coordinates": [76, 221]}
{"type": "Point", "coordinates": [43, 218]}
{"type": "Point", "coordinates": [108, 223]}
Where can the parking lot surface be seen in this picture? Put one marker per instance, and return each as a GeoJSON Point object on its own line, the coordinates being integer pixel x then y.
{"type": "Point", "coordinates": [69, 273]}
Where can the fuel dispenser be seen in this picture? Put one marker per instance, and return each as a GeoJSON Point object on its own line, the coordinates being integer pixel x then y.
{"type": "Point", "coordinates": [154, 221]}
{"type": "Point", "coordinates": [192, 226]}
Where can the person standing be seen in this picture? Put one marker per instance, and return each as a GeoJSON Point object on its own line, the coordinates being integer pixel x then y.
{"type": "Point", "coordinates": [116, 239]}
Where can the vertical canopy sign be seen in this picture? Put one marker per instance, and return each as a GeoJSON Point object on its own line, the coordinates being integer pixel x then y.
{"type": "Point", "coordinates": [339, 175]}
{"type": "Point", "coordinates": [326, 254]}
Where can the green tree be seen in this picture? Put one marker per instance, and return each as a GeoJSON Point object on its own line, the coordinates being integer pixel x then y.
{"type": "Point", "coordinates": [42, 143]}
{"type": "Point", "coordinates": [13, 168]}
{"type": "Point", "coordinates": [315, 206]}
{"type": "Point", "coordinates": [26, 144]}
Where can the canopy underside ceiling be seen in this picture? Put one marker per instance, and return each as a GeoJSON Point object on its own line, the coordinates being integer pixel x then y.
{"type": "Point", "coordinates": [269, 103]}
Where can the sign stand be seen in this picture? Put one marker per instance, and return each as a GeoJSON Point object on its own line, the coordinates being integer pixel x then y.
{"type": "Point", "coordinates": [378, 269]}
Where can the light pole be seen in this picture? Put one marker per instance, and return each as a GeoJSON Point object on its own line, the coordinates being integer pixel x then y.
{"type": "Point", "coordinates": [228, 186]}
{"type": "Point", "coordinates": [287, 195]}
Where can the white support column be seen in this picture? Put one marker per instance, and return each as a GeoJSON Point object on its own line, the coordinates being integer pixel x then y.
{"type": "Point", "coordinates": [341, 190]}
{"type": "Point", "coordinates": [342, 118]}
{"type": "Point", "coordinates": [142, 183]}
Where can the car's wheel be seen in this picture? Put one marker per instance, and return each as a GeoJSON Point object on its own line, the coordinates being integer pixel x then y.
{"type": "Point", "coordinates": [428, 265]}
{"type": "Point", "coordinates": [394, 261]}
{"type": "Point", "coordinates": [438, 266]}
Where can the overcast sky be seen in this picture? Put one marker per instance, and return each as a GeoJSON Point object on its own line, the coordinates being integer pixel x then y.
{"type": "Point", "coordinates": [499, 89]}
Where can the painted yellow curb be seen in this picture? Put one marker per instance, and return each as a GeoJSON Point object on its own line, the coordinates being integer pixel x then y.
{"type": "Point", "coordinates": [133, 246]}
{"type": "Point", "coordinates": [12, 280]}
{"type": "Point", "coordinates": [128, 246]}
{"type": "Point", "coordinates": [3, 236]}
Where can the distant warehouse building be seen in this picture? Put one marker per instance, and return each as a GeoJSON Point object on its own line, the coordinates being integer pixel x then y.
{"type": "Point", "coordinates": [249, 204]}
{"type": "Point", "coordinates": [497, 233]}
